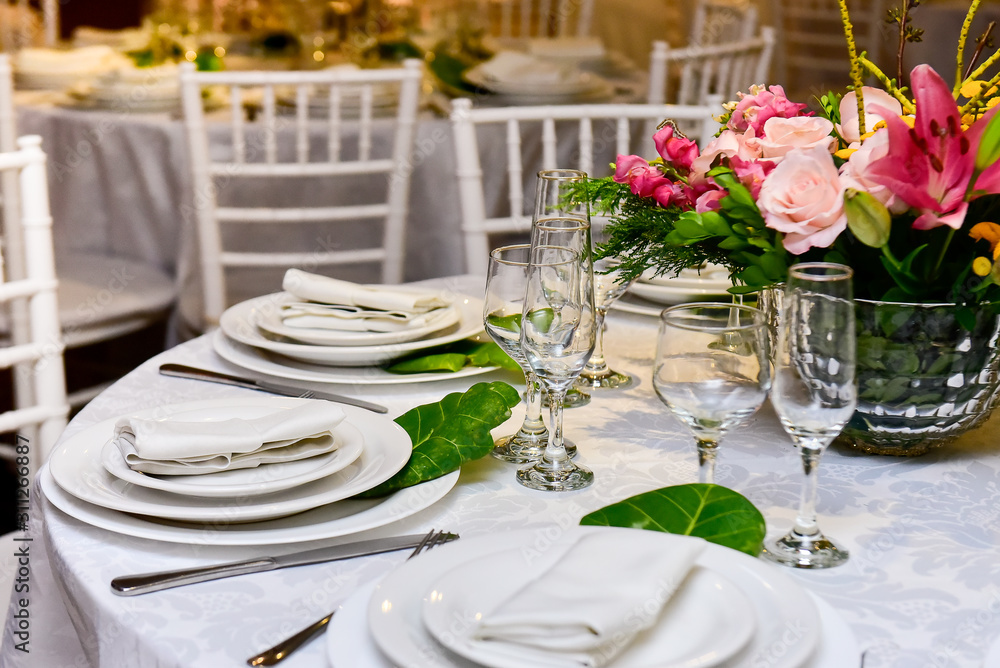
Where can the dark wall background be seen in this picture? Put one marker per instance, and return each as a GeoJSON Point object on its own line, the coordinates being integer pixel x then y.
{"type": "Point", "coordinates": [110, 14]}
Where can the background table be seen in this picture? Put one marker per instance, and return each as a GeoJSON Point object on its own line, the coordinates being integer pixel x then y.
{"type": "Point", "coordinates": [922, 587]}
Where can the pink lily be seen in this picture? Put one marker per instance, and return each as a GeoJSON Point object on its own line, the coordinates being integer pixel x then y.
{"type": "Point", "coordinates": [988, 182]}
{"type": "Point", "coordinates": [642, 178]}
{"type": "Point", "coordinates": [928, 166]}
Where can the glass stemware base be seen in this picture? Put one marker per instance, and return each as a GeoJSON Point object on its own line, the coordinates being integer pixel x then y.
{"type": "Point", "coordinates": [518, 449]}
{"type": "Point", "coordinates": [574, 398]}
{"type": "Point", "coordinates": [799, 550]}
{"type": "Point", "coordinates": [608, 380]}
{"type": "Point", "coordinates": [549, 476]}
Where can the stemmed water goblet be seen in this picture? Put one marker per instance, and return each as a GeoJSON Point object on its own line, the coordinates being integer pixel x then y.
{"type": "Point", "coordinates": [608, 287]}
{"type": "Point", "coordinates": [814, 393]}
{"type": "Point", "coordinates": [557, 337]}
{"type": "Point", "coordinates": [558, 196]}
{"type": "Point", "coordinates": [506, 281]}
{"type": "Point", "coordinates": [712, 370]}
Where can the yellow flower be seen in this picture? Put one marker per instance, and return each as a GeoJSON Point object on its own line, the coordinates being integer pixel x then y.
{"type": "Point", "coordinates": [845, 153]}
{"type": "Point", "coordinates": [973, 87]}
{"type": "Point", "coordinates": [981, 266]}
{"type": "Point", "coordinates": [909, 120]}
{"type": "Point", "coordinates": [987, 232]}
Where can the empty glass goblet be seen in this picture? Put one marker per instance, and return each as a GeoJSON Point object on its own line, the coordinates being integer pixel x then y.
{"type": "Point", "coordinates": [814, 393]}
{"type": "Point", "coordinates": [712, 370]}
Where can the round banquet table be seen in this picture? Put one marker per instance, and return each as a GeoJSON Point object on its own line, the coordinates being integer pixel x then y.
{"type": "Point", "coordinates": [922, 587]}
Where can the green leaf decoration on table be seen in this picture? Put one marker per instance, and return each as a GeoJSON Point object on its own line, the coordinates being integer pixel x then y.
{"type": "Point", "coordinates": [715, 513]}
{"type": "Point", "coordinates": [455, 356]}
{"type": "Point", "coordinates": [450, 432]}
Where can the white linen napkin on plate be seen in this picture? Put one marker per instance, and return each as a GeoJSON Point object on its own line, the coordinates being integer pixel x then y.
{"type": "Point", "coordinates": [310, 315]}
{"type": "Point", "coordinates": [326, 290]}
{"type": "Point", "coordinates": [178, 447]}
{"type": "Point", "coordinates": [513, 67]}
{"type": "Point", "coordinates": [586, 607]}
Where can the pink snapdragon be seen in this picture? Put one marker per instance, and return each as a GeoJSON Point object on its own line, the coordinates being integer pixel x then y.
{"type": "Point", "coordinates": [642, 178]}
{"type": "Point", "coordinates": [761, 104]}
{"type": "Point", "coordinates": [678, 151]}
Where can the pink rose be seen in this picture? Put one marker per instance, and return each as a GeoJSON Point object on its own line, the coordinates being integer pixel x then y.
{"type": "Point", "coordinates": [781, 135]}
{"type": "Point", "coordinates": [642, 178]}
{"type": "Point", "coordinates": [678, 151]}
{"type": "Point", "coordinates": [848, 127]}
{"type": "Point", "coordinates": [753, 110]}
{"type": "Point", "coordinates": [727, 144]}
{"type": "Point", "coordinates": [854, 172]}
{"type": "Point", "coordinates": [709, 201]}
{"type": "Point", "coordinates": [804, 199]}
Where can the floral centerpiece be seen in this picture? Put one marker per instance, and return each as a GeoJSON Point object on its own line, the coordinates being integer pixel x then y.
{"type": "Point", "coordinates": [900, 182]}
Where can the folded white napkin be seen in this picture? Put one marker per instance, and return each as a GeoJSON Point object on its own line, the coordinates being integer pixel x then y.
{"type": "Point", "coordinates": [513, 67]}
{"type": "Point", "coordinates": [566, 47]}
{"type": "Point", "coordinates": [597, 595]}
{"type": "Point", "coordinates": [326, 290]}
{"type": "Point", "coordinates": [310, 315]}
{"type": "Point", "coordinates": [177, 447]}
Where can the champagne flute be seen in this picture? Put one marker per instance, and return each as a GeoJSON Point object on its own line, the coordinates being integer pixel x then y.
{"type": "Point", "coordinates": [506, 279]}
{"type": "Point", "coordinates": [712, 370]}
{"type": "Point", "coordinates": [557, 195]}
{"type": "Point", "coordinates": [814, 393]}
{"type": "Point", "coordinates": [557, 337]}
{"type": "Point", "coordinates": [608, 287]}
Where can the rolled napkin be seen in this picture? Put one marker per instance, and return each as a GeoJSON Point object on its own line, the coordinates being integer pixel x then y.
{"type": "Point", "coordinates": [177, 447]}
{"type": "Point", "coordinates": [310, 315]}
{"type": "Point", "coordinates": [326, 290]}
{"type": "Point", "coordinates": [594, 597]}
{"type": "Point", "coordinates": [512, 67]}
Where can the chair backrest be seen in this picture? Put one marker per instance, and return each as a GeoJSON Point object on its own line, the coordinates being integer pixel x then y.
{"type": "Point", "coordinates": [538, 18]}
{"type": "Point", "coordinates": [37, 361]}
{"type": "Point", "coordinates": [592, 135]}
{"type": "Point", "coordinates": [722, 22]}
{"type": "Point", "coordinates": [699, 71]}
{"type": "Point", "coordinates": [21, 25]}
{"type": "Point", "coordinates": [348, 145]}
{"type": "Point", "coordinates": [812, 51]}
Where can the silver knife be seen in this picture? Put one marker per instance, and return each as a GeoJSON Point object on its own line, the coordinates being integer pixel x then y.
{"type": "Point", "coordinates": [143, 583]}
{"type": "Point", "coordinates": [183, 371]}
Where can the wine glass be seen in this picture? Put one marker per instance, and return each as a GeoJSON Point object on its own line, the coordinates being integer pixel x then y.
{"type": "Point", "coordinates": [712, 370]}
{"type": "Point", "coordinates": [814, 393]}
{"type": "Point", "coordinates": [557, 196]}
{"type": "Point", "coordinates": [557, 337]}
{"type": "Point", "coordinates": [608, 287]}
{"type": "Point", "coordinates": [506, 281]}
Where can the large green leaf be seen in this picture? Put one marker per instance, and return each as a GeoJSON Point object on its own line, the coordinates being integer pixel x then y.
{"type": "Point", "coordinates": [715, 513]}
{"type": "Point", "coordinates": [455, 356]}
{"type": "Point", "coordinates": [450, 432]}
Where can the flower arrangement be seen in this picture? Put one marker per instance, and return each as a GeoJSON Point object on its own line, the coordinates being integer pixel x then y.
{"type": "Point", "coordinates": [902, 183]}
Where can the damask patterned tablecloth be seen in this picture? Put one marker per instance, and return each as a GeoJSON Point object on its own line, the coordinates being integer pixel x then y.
{"type": "Point", "coordinates": [922, 587]}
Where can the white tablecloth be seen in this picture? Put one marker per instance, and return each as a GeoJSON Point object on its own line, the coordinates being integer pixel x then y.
{"type": "Point", "coordinates": [922, 587]}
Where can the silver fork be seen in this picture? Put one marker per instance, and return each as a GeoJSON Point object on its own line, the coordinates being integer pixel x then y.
{"type": "Point", "coordinates": [279, 652]}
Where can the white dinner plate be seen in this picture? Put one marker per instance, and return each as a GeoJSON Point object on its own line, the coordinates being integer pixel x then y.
{"type": "Point", "coordinates": [263, 479]}
{"type": "Point", "coordinates": [630, 303]}
{"type": "Point", "coordinates": [705, 623]}
{"type": "Point", "coordinates": [76, 467]}
{"type": "Point", "coordinates": [330, 521]}
{"type": "Point", "coordinates": [239, 322]}
{"type": "Point", "coordinates": [394, 613]}
{"type": "Point", "coordinates": [349, 643]}
{"type": "Point", "coordinates": [269, 364]}
{"type": "Point", "coordinates": [437, 321]}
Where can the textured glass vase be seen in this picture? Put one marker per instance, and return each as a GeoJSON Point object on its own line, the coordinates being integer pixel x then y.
{"type": "Point", "coordinates": [927, 373]}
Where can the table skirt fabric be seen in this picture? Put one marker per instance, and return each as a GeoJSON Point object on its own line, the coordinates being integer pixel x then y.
{"type": "Point", "coordinates": [922, 587]}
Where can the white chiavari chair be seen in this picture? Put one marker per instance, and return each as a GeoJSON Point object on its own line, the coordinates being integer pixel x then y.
{"type": "Point", "coordinates": [102, 298]}
{"type": "Point", "coordinates": [812, 51]}
{"type": "Point", "coordinates": [695, 72]}
{"type": "Point", "coordinates": [538, 18]}
{"type": "Point", "coordinates": [282, 147]}
{"type": "Point", "coordinates": [602, 131]}
{"type": "Point", "coordinates": [722, 22]}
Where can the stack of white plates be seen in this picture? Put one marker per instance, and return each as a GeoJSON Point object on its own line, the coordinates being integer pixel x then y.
{"type": "Point", "coordinates": [522, 79]}
{"type": "Point", "coordinates": [650, 294]}
{"type": "Point", "coordinates": [53, 69]}
{"type": "Point", "coordinates": [132, 89]}
{"type": "Point", "coordinates": [308, 499]}
{"type": "Point", "coordinates": [732, 611]}
{"type": "Point", "coordinates": [252, 335]}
